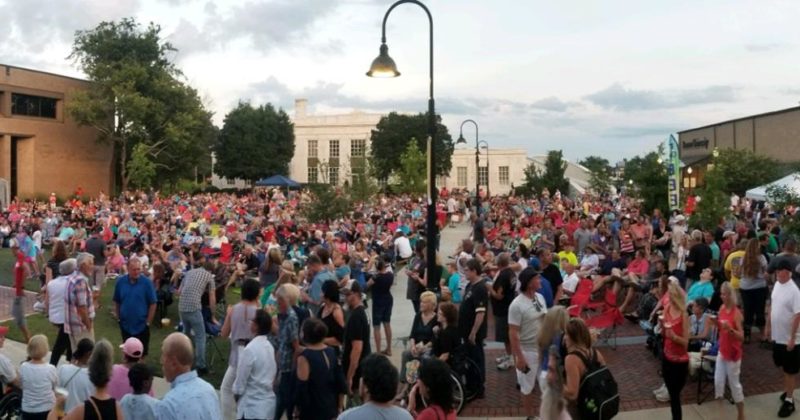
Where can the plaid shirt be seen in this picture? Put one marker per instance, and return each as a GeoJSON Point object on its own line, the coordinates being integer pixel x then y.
{"type": "Point", "coordinates": [195, 283]}
{"type": "Point", "coordinates": [289, 328]}
{"type": "Point", "coordinates": [79, 295]}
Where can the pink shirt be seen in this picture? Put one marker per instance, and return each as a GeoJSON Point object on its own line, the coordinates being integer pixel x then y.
{"type": "Point", "coordinates": [119, 385]}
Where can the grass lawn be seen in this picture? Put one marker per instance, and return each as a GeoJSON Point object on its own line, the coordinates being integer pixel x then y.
{"type": "Point", "coordinates": [106, 327]}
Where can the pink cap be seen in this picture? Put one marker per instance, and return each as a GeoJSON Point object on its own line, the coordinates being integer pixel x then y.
{"type": "Point", "coordinates": [132, 347]}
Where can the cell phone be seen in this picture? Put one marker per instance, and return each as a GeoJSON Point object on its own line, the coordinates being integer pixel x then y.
{"type": "Point", "coordinates": [526, 370]}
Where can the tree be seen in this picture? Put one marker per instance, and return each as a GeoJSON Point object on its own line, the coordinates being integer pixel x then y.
{"type": "Point", "coordinates": [363, 186]}
{"type": "Point", "coordinates": [742, 170]}
{"type": "Point", "coordinates": [600, 173]}
{"type": "Point", "coordinates": [785, 201]}
{"type": "Point", "coordinates": [552, 177]}
{"type": "Point", "coordinates": [714, 201]}
{"type": "Point", "coordinates": [649, 180]}
{"type": "Point", "coordinates": [412, 172]}
{"type": "Point", "coordinates": [141, 169]}
{"type": "Point", "coordinates": [255, 143]}
{"type": "Point", "coordinates": [326, 204]}
{"type": "Point", "coordinates": [391, 136]}
{"type": "Point", "coordinates": [136, 97]}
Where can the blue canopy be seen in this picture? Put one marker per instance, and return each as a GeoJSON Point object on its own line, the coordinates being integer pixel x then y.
{"type": "Point", "coordinates": [278, 181]}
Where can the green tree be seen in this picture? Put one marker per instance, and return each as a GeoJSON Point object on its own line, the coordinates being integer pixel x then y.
{"type": "Point", "coordinates": [391, 136]}
{"type": "Point", "coordinates": [786, 201]}
{"type": "Point", "coordinates": [552, 177]}
{"type": "Point", "coordinates": [137, 97]}
{"type": "Point", "coordinates": [649, 180]}
{"type": "Point", "coordinates": [412, 172]}
{"type": "Point", "coordinates": [326, 203]}
{"type": "Point", "coordinates": [255, 143]}
{"type": "Point", "coordinates": [532, 185]}
{"type": "Point", "coordinates": [363, 186]}
{"type": "Point", "coordinates": [714, 202]}
{"type": "Point", "coordinates": [600, 173]}
{"type": "Point", "coordinates": [742, 170]}
{"type": "Point", "coordinates": [141, 169]}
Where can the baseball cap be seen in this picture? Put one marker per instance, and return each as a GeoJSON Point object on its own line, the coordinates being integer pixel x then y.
{"type": "Point", "coordinates": [132, 347]}
{"type": "Point", "coordinates": [354, 288]}
{"type": "Point", "coordinates": [526, 276]}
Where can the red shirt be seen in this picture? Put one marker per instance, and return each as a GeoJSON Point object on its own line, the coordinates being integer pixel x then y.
{"type": "Point", "coordinates": [729, 347]}
{"type": "Point", "coordinates": [19, 274]}
{"type": "Point", "coordinates": [673, 351]}
{"type": "Point", "coordinates": [434, 412]}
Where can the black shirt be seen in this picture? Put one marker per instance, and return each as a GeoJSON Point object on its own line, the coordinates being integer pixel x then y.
{"type": "Point", "coordinates": [97, 247]}
{"type": "Point", "coordinates": [700, 255]}
{"type": "Point", "coordinates": [503, 280]}
{"type": "Point", "coordinates": [251, 262]}
{"type": "Point", "coordinates": [382, 283]}
{"type": "Point", "coordinates": [420, 332]}
{"type": "Point", "coordinates": [553, 275]}
{"type": "Point", "coordinates": [356, 328]}
{"type": "Point", "coordinates": [477, 231]}
{"type": "Point", "coordinates": [475, 300]}
{"type": "Point", "coordinates": [446, 341]}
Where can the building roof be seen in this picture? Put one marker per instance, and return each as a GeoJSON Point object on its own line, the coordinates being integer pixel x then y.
{"type": "Point", "coordinates": [44, 72]}
{"type": "Point", "coordinates": [781, 111]}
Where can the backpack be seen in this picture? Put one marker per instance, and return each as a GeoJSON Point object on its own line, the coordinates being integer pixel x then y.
{"type": "Point", "coordinates": [598, 397]}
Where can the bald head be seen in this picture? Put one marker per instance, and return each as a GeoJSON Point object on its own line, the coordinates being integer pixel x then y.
{"type": "Point", "coordinates": [178, 346]}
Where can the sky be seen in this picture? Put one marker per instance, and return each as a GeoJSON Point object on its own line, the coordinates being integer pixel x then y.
{"type": "Point", "coordinates": [612, 78]}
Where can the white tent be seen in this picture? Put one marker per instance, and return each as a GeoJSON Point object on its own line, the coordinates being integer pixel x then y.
{"type": "Point", "coordinates": [760, 193]}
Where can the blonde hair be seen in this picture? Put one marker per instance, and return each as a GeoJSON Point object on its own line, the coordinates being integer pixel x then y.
{"type": "Point", "coordinates": [555, 321]}
{"type": "Point", "coordinates": [38, 347]}
{"type": "Point", "coordinates": [428, 296]}
{"type": "Point", "coordinates": [731, 292]}
{"type": "Point", "coordinates": [677, 298]}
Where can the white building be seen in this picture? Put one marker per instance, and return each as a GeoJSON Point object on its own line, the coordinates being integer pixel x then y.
{"type": "Point", "coordinates": [505, 167]}
{"type": "Point", "coordinates": [324, 144]}
{"type": "Point", "coordinates": [577, 174]}
{"type": "Point", "coordinates": [224, 183]}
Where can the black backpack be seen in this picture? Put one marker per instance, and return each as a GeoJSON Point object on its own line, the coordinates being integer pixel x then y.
{"type": "Point", "coordinates": [598, 397]}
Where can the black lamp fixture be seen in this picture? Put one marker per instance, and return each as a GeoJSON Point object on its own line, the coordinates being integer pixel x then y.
{"type": "Point", "coordinates": [383, 66]}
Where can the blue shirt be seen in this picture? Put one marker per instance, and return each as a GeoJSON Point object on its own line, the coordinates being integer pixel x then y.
{"type": "Point", "coordinates": [317, 282]}
{"type": "Point", "coordinates": [547, 292]}
{"type": "Point", "coordinates": [189, 398]}
{"type": "Point", "coordinates": [454, 284]}
{"type": "Point", "coordinates": [134, 301]}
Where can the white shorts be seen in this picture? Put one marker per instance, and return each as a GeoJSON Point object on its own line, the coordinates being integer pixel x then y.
{"type": "Point", "coordinates": [527, 381]}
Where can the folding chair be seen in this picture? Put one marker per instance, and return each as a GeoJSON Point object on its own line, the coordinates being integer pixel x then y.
{"type": "Point", "coordinates": [212, 351]}
{"type": "Point", "coordinates": [603, 315]}
{"type": "Point", "coordinates": [705, 373]}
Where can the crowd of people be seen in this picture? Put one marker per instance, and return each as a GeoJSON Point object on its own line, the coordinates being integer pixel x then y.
{"type": "Point", "coordinates": [311, 334]}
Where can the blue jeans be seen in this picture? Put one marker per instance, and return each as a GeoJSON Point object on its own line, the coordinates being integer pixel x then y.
{"type": "Point", "coordinates": [285, 394]}
{"type": "Point", "coordinates": [195, 328]}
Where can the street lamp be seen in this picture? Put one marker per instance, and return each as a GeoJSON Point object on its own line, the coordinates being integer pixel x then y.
{"type": "Point", "coordinates": [689, 170]}
{"type": "Point", "coordinates": [461, 140]}
{"type": "Point", "coordinates": [384, 66]}
{"type": "Point", "coordinates": [484, 145]}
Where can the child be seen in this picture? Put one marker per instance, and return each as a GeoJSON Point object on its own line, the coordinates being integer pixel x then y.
{"type": "Point", "coordinates": [139, 405]}
{"type": "Point", "coordinates": [454, 283]}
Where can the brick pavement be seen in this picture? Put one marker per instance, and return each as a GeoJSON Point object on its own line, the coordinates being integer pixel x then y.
{"type": "Point", "coordinates": [636, 371]}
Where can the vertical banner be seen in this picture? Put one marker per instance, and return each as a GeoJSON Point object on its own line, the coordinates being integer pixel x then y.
{"type": "Point", "coordinates": [673, 175]}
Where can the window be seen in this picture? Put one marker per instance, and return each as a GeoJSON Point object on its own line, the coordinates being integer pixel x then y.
{"type": "Point", "coordinates": [230, 181]}
{"type": "Point", "coordinates": [33, 106]}
{"type": "Point", "coordinates": [358, 147]}
{"type": "Point", "coordinates": [313, 148]}
{"type": "Point", "coordinates": [461, 176]}
{"type": "Point", "coordinates": [333, 175]}
{"type": "Point", "coordinates": [313, 174]}
{"type": "Point", "coordinates": [483, 175]}
{"type": "Point", "coordinates": [503, 175]}
{"type": "Point", "coordinates": [334, 149]}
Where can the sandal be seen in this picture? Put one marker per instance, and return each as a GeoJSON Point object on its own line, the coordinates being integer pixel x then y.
{"type": "Point", "coordinates": [387, 352]}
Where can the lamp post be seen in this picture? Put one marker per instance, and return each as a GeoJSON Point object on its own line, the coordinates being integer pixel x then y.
{"type": "Point", "coordinates": [384, 66]}
{"type": "Point", "coordinates": [462, 140]}
{"type": "Point", "coordinates": [484, 145]}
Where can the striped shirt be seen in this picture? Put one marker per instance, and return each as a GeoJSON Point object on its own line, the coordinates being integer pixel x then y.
{"type": "Point", "coordinates": [78, 295]}
{"type": "Point", "coordinates": [195, 282]}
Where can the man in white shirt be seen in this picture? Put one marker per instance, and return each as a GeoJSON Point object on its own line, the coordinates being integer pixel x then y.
{"type": "Point", "coordinates": [8, 371]}
{"type": "Point", "coordinates": [256, 372]}
{"type": "Point", "coordinates": [55, 303]}
{"type": "Point", "coordinates": [402, 246]}
{"type": "Point", "coordinates": [571, 278]}
{"type": "Point", "coordinates": [782, 322]}
{"type": "Point", "coordinates": [525, 316]}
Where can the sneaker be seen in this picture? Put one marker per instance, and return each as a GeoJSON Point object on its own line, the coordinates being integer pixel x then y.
{"type": "Point", "coordinates": [787, 408]}
{"type": "Point", "coordinates": [662, 397]}
{"type": "Point", "coordinates": [661, 390]}
{"type": "Point", "coordinates": [38, 307]}
{"type": "Point", "coordinates": [502, 358]}
{"type": "Point", "coordinates": [504, 365]}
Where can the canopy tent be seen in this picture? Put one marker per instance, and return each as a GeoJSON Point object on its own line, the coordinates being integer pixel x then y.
{"type": "Point", "coordinates": [278, 181]}
{"type": "Point", "coordinates": [791, 181]}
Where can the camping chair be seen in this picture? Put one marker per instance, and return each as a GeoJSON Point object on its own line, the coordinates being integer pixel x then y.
{"type": "Point", "coordinates": [226, 253]}
{"type": "Point", "coordinates": [603, 315]}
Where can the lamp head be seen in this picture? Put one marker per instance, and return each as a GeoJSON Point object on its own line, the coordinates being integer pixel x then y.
{"type": "Point", "coordinates": [383, 66]}
{"type": "Point", "coordinates": [461, 139]}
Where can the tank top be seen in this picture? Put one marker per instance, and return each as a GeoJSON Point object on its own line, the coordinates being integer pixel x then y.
{"type": "Point", "coordinates": [106, 408]}
{"type": "Point", "coordinates": [729, 347]}
{"type": "Point", "coordinates": [324, 380]}
{"type": "Point", "coordinates": [241, 315]}
{"type": "Point", "coordinates": [334, 329]}
{"type": "Point", "coordinates": [673, 351]}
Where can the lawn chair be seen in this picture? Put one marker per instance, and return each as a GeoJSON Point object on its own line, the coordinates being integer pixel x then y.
{"type": "Point", "coordinates": [705, 372]}
{"type": "Point", "coordinates": [601, 315]}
